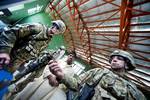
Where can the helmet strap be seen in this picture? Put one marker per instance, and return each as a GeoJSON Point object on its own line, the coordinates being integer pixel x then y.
{"type": "Point", "coordinates": [126, 66]}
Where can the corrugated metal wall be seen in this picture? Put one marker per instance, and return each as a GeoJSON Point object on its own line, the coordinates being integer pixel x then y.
{"type": "Point", "coordinates": [95, 28]}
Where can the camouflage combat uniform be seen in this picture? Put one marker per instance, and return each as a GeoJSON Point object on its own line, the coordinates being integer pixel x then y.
{"type": "Point", "coordinates": [33, 90]}
{"type": "Point", "coordinates": [110, 87]}
{"type": "Point", "coordinates": [23, 42]}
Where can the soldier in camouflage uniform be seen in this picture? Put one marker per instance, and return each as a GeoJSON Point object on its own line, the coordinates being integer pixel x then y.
{"type": "Point", "coordinates": [111, 86]}
{"type": "Point", "coordinates": [25, 41]}
{"type": "Point", "coordinates": [40, 88]}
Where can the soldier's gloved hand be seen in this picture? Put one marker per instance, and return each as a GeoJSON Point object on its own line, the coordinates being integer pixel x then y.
{"type": "Point", "coordinates": [4, 59]}
{"type": "Point", "coordinates": [52, 80]}
{"type": "Point", "coordinates": [55, 69]}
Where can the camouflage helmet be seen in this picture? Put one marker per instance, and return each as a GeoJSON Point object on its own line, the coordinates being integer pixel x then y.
{"type": "Point", "coordinates": [61, 25]}
{"type": "Point", "coordinates": [129, 58]}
